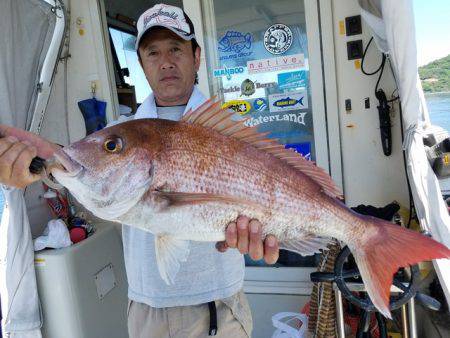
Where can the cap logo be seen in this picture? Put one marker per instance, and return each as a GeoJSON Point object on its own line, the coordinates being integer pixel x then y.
{"type": "Point", "coordinates": [166, 17]}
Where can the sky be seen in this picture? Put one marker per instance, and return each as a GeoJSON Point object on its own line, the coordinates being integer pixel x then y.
{"type": "Point", "coordinates": [432, 19]}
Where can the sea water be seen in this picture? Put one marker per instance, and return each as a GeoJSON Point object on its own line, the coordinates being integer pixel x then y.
{"type": "Point", "coordinates": [439, 109]}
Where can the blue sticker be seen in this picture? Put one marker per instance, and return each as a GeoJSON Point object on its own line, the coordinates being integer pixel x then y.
{"type": "Point", "coordinates": [292, 80]}
{"type": "Point", "coordinates": [228, 72]}
{"type": "Point", "coordinates": [235, 45]}
{"type": "Point", "coordinates": [303, 149]}
{"type": "Point", "coordinates": [288, 101]}
{"type": "Point", "coordinates": [260, 104]}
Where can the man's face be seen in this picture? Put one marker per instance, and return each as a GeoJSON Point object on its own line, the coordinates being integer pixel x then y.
{"type": "Point", "coordinates": [169, 65]}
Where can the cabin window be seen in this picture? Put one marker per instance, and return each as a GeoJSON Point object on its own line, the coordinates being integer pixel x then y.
{"type": "Point", "coordinates": [130, 78]}
{"type": "Point", "coordinates": [260, 63]}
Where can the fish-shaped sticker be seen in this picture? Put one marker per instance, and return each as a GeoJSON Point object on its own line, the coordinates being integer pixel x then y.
{"type": "Point", "coordinates": [235, 42]}
{"type": "Point", "coordinates": [288, 101]}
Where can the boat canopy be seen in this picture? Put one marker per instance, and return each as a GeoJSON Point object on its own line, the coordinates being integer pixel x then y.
{"type": "Point", "coordinates": [392, 23]}
{"type": "Point", "coordinates": [31, 38]}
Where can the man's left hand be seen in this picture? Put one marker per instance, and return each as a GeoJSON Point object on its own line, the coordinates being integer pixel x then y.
{"type": "Point", "coordinates": [245, 235]}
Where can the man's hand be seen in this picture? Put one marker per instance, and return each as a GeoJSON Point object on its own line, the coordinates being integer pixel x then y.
{"type": "Point", "coordinates": [245, 235]}
{"type": "Point", "coordinates": [17, 149]}
{"type": "Point", "coordinates": [15, 159]}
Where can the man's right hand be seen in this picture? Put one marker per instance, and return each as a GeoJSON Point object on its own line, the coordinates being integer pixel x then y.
{"type": "Point", "coordinates": [17, 149]}
{"type": "Point", "coordinates": [15, 159]}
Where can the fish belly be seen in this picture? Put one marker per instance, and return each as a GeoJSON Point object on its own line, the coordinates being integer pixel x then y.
{"type": "Point", "coordinates": [208, 221]}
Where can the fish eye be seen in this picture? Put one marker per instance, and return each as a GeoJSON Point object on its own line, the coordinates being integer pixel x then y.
{"type": "Point", "coordinates": [113, 145]}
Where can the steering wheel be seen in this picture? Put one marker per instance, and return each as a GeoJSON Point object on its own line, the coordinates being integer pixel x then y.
{"type": "Point", "coordinates": [341, 277]}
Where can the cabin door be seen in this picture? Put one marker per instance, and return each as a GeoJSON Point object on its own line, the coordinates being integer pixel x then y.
{"type": "Point", "coordinates": [265, 60]}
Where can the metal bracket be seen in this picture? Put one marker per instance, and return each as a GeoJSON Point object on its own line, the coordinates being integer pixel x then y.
{"type": "Point", "coordinates": [57, 8]}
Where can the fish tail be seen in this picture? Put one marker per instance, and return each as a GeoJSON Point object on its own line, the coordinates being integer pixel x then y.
{"type": "Point", "coordinates": [383, 249]}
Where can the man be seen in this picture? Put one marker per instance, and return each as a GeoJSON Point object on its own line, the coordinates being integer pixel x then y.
{"type": "Point", "coordinates": [208, 289]}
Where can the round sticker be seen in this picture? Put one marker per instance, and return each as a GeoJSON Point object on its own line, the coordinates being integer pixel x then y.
{"type": "Point", "coordinates": [248, 87]}
{"type": "Point", "coordinates": [278, 38]}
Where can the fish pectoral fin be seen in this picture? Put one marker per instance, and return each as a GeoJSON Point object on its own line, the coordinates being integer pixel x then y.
{"type": "Point", "coordinates": [306, 245]}
{"type": "Point", "coordinates": [170, 253]}
{"type": "Point", "coordinates": [183, 198]}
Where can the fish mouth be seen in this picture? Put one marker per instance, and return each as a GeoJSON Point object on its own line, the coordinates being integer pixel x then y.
{"type": "Point", "coordinates": [65, 164]}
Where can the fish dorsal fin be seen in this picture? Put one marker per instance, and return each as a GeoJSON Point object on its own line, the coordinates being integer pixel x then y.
{"type": "Point", "coordinates": [210, 115]}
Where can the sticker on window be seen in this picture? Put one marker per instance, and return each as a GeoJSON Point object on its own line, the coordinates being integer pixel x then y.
{"type": "Point", "coordinates": [260, 104]}
{"type": "Point", "coordinates": [278, 63]}
{"type": "Point", "coordinates": [228, 72]}
{"type": "Point", "coordinates": [248, 87]}
{"type": "Point", "coordinates": [278, 38]}
{"type": "Point", "coordinates": [303, 149]}
{"type": "Point", "coordinates": [288, 101]}
{"type": "Point", "coordinates": [298, 118]}
{"type": "Point", "coordinates": [292, 80]}
{"type": "Point", "coordinates": [235, 45]}
{"type": "Point", "coordinates": [238, 106]}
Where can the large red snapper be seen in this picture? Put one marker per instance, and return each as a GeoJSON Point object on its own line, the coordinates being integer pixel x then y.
{"type": "Point", "coordinates": [187, 180]}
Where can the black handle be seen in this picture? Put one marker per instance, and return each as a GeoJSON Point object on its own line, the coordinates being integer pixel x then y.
{"type": "Point", "coordinates": [385, 122]}
{"type": "Point", "coordinates": [37, 165]}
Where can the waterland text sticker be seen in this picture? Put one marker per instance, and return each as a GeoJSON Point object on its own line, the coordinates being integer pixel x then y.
{"type": "Point", "coordinates": [238, 106]}
{"type": "Point", "coordinates": [233, 45]}
{"type": "Point", "coordinates": [276, 64]}
{"type": "Point", "coordinates": [288, 101]}
{"type": "Point", "coordinates": [298, 118]}
{"type": "Point", "coordinates": [228, 72]}
{"type": "Point", "coordinates": [292, 80]}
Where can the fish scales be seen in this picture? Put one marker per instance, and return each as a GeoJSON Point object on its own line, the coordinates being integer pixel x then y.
{"type": "Point", "coordinates": [243, 172]}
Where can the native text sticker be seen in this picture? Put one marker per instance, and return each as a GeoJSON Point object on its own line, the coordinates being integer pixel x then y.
{"type": "Point", "coordinates": [278, 38]}
{"type": "Point", "coordinates": [278, 63]}
{"type": "Point", "coordinates": [288, 101]}
{"type": "Point", "coordinates": [235, 45]}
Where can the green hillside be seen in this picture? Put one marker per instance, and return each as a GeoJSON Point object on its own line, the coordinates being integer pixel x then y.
{"type": "Point", "coordinates": [435, 76]}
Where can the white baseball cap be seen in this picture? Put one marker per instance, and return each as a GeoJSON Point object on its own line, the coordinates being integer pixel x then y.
{"type": "Point", "coordinates": [167, 16]}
